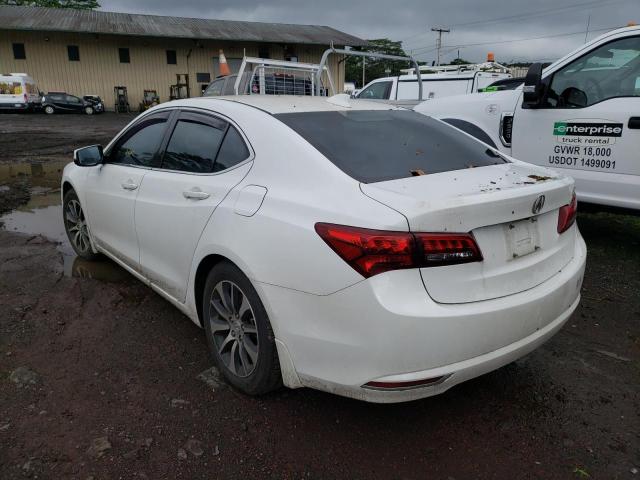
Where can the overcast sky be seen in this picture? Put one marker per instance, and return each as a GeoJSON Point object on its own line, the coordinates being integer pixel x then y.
{"type": "Point", "coordinates": [494, 24]}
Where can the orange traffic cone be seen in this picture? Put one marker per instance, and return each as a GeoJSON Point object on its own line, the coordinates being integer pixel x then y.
{"type": "Point", "coordinates": [224, 67]}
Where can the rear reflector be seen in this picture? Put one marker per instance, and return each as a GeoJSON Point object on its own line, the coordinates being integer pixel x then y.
{"type": "Point", "coordinates": [403, 385]}
{"type": "Point", "coordinates": [371, 252]}
{"type": "Point", "coordinates": [567, 215]}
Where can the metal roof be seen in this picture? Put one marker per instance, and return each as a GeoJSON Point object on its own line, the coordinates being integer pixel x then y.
{"type": "Point", "coordinates": [92, 21]}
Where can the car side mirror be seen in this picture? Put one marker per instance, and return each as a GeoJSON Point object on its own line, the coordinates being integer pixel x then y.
{"type": "Point", "coordinates": [88, 156]}
{"type": "Point", "coordinates": [533, 88]}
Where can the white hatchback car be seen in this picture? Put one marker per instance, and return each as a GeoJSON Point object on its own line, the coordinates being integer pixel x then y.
{"type": "Point", "coordinates": [351, 247]}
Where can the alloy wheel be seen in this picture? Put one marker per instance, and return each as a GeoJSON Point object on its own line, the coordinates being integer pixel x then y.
{"type": "Point", "coordinates": [234, 329]}
{"type": "Point", "coordinates": [77, 226]}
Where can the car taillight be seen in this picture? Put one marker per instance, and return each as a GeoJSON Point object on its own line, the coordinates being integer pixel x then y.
{"type": "Point", "coordinates": [567, 214]}
{"type": "Point", "coordinates": [371, 252]}
{"type": "Point", "coordinates": [447, 248]}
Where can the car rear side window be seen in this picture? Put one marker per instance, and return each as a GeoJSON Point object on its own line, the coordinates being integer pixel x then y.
{"type": "Point", "coordinates": [194, 145]}
{"type": "Point", "coordinates": [379, 145]}
{"type": "Point", "coordinates": [232, 151]}
{"type": "Point", "coordinates": [139, 146]}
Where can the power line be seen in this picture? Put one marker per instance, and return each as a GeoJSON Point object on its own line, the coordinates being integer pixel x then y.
{"type": "Point", "coordinates": [527, 16]}
{"type": "Point", "coordinates": [495, 42]}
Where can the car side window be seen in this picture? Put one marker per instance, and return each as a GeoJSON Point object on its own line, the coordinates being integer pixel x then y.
{"type": "Point", "coordinates": [194, 144]}
{"type": "Point", "coordinates": [611, 70]}
{"type": "Point", "coordinates": [139, 145]}
{"type": "Point", "coordinates": [215, 88]}
{"type": "Point", "coordinates": [72, 99]}
{"type": "Point", "coordinates": [232, 151]}
{"type": "Point", "coordinates": [376, 91]}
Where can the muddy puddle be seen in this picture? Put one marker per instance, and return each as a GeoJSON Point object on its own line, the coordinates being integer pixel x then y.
{"type": "Point", "coordinates": [42, 215]}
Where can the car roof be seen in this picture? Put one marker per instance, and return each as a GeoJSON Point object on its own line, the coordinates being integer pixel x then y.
{"type": "Point", "coordinates": [275, 104]}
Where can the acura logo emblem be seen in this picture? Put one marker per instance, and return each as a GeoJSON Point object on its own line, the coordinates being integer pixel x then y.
{"type": "Point", "coordinates": [538, 204]}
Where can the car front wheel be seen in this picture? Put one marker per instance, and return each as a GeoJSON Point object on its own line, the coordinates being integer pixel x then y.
{"type": "Point", "coordinates": [75, 224]}
{"type": "Point", "coordinates": [238, 331]}
{"type": "Point", "coordinates": [49, 110]}
{"type": "Point", "coordinates": [88, 110]}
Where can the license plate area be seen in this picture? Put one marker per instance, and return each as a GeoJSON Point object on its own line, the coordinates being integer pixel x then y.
{"type": "Point", "coordinates": [522, 238]}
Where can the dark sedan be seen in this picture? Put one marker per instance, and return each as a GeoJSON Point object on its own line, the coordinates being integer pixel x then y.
{"type": "Point", "coordinates": [57, 102]}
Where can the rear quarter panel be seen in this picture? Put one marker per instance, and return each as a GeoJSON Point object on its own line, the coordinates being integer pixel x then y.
{"type": "Point", "coordinates": [278, 245]}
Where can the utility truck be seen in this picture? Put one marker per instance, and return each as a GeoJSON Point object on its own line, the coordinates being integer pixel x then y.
{"type": "Point", "coordinates": [437, 82]}
{"type": "Point", "coordinates": [580, 115]}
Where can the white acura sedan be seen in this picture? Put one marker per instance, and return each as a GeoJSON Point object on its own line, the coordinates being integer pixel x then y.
{"type": "Point", "coordinates": [352, 247]}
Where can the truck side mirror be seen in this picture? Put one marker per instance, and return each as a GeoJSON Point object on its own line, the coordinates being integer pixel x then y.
{"type": "Point", "coordinates": [88, 156]}
{"type": "Point", "coordinates": [533, 88]}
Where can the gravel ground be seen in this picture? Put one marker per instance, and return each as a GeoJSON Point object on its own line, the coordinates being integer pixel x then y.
{"type": "Point", "coordinates": [101, 378]}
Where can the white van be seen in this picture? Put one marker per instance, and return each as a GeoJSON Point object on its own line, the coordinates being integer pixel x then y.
{"type": "Point", "coordinates": [437, 82]}
{"type": "Point", "coordinates": [18, 91]}
{"type": "Point", "coordinates": [580, 115]}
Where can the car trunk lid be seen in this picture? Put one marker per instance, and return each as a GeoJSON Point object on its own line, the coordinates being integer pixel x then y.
{"type": "Point", "coordinates": [512, 211]}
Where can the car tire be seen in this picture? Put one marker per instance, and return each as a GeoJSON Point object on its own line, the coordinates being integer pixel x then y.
{"type": "Point", "coordinates": [88, 110]}
{"type": "Point", "coordinates": [76, 227]}
{"type": "Point", "coordinates": [239, 334]}
{"type": "Point", "coordinates": [49, 110]}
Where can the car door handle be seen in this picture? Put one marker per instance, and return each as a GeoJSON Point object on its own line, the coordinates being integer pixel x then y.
{"type": "Point", "coordinates": [634, 122]}
{"type": "Point", "coordinates": [196, 194]}
{"type": "Point", "coordinates": [129, 185]}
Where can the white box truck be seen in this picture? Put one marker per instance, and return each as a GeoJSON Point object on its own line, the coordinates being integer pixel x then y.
{"type": "Point", "coordinates": [580, 115]}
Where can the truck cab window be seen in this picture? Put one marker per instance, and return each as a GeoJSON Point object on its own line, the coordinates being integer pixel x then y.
{"type": "Point", "coordinates": [376, 91]}
{"type": "Point", "coordinates": [610, 71]}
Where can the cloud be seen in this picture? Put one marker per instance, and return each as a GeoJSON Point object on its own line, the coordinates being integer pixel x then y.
{"type": "Point", "coordinates": [477, 27]}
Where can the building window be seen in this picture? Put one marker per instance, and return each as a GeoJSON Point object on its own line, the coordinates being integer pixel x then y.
{"type": "Point", "coordinates": [19, 52]}
{"type": "Point", "coordinates": [74, 53]}
{"type": "Point", "coordinates": [172, 58]}
{"type": "Point", "coordinates": [203, 77]}
{"type": "Point", "coordinates": [124, 55]}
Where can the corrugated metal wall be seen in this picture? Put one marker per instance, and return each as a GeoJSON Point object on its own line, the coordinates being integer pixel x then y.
{"type": "Point", "coordinates": [99, 68]}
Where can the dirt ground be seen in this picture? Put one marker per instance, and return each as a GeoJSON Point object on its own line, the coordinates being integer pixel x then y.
{"type": "Point", "coordinates": [100, 378]}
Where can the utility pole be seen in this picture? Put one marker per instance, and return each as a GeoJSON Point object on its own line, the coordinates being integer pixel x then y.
{"type": "Point", "coordinates": [439, 40]}
{"type": "Point", "coordinates": [586, 33]}
{"type": "Point", "coordinates": [364, 61]}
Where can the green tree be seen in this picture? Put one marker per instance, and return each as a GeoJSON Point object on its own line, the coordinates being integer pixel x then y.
{"type": "Point", "coordinates": [77, 4]}
{"type": "Point", "coordinates": [459, 61]}
{"type": "Point", "coordinates": [375, 68]}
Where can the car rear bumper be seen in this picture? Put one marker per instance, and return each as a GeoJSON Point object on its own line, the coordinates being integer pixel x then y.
{"type": "Point", "coordinates": [387, 329]}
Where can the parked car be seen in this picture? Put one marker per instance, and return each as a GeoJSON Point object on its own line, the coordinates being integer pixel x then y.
{"type": "Point", "coordinates": [361, 249]}
{"type": "Point", "coordinates": [96, 101]}
{"type": "Point", "coordinates": [18, 91]}
{"type": "Point", "coordinates": [59, 102]}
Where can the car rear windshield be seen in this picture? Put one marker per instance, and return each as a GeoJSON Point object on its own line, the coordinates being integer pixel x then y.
{"type": "Point", "coordinates": [379, 145]}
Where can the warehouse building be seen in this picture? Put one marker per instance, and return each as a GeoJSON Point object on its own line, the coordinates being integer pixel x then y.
{"type": "Point", "coordinates": [90, 52]}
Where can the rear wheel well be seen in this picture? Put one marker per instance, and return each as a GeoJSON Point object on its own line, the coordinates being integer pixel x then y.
{"type": "Point", "coordinates": [471, 129]}
{"type": "Point", "coordinates": [205, 266]}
